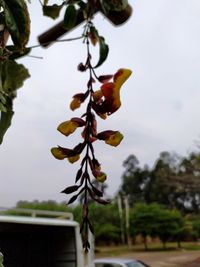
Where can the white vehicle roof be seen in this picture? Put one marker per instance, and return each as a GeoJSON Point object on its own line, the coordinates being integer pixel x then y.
{"type": "Point", "coordinates": [37, 220]}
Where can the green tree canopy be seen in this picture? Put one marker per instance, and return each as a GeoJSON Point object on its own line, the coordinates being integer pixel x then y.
{"type": "Point", "coordinates": [106, 222]}
{"type": "Point", "coordinates": [155, 221]}
{"type": "Point", "coordinates": [173, 181]}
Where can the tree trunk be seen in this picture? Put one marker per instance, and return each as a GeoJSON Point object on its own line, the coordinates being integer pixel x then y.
{"type": "Point", "coordinates": [164, 245]}
{"type": "Point", "coordinates": [145, 243]}
{"type": "Point", "coordinates": [179, 244]}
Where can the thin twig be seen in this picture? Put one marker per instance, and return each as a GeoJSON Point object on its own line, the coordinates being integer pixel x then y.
{"type": "Point", "coordinates": [57, 41]}
{"type": "Point", "coordinates": [35, 57]}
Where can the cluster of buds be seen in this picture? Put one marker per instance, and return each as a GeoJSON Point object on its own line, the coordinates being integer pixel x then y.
{"type": "Point", "coordinates": [102, 102]}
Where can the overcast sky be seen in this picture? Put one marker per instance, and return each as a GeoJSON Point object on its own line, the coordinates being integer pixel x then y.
{"type": "Point", "coordinates": [160, 102]}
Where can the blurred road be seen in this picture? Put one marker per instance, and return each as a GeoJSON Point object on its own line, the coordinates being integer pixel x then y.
{"type": "Point", "coordinates": [168, 259]}
{"type": "Point", "coordinates": [195, 263]}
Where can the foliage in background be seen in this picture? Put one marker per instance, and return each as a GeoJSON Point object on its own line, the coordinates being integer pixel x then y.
{"type": "Point", "coordinates": [107, 227]}
{"type": "Point", "coordinates": [173, 181]}
{"type": "Point", "coordinates": [42, 205]}
{"type": "Point", "coordinates": [168, 223]}
{"type": "Point", "coordinates": [14, 21]}
{"type": "Point", "coordinates": [155, 221]}
{"type": "Point", "coordinates": [151, 220]}
{"type": "Point", "coordinates": [1, 260]}
{"type": "Point", "coordinates": [196, 225]}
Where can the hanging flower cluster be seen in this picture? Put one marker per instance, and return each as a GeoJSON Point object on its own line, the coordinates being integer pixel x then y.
{"type": "Point", "coordinates": [103, 103]}
{"type": "Point", "coordinates": [99, 103]}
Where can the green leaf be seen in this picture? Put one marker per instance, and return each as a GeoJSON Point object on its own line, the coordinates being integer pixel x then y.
{"type": "Point", "coordinates": [82, 5]}
{"type": "Point", "coordinates": [13, 76]}
{"type": "Point", "coordinates": [70, 17]}
{"type": "Point", "coordinates": [1, 259]}
{"type": "Point", "coordinates": [52, 11]}
{"type": "Point", "coordinates": [2, 107]}
{"type": "Point", "coordinates": [5, 121]}
{"type": "Point", "coordinates": [103, 47]}
{"type": "Point", "coordinates": [113, 5]}
{"type": "Point", "coordinates": [17, 21]}
{"type": "Point", "coordinates": [103, 51]}
{"type": "Point", "coordinates": [16, 53]}
{"type": "Point", "coordinates": [2, 98]}
{"type": "Point", "coordinates": [2, 101]}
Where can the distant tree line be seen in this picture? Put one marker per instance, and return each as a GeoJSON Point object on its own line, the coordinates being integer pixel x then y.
{"type": "Point", "coordinates": [173, 181]}
{"type": "Point", "coordinates": [147, 220]}
{"type": "Point", "coordinates": [164, 202]}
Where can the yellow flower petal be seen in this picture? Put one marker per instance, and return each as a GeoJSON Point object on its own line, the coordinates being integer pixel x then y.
{"type": "Point", "coordinates": [57, 153]}
{"type": "Point", "coordinates": [74, 158]}
{"type": "Point", "coordinates": [103, 116]}
{"type": "Point", "coordinates": [112, 95]}
{"type": "Point", "coordinates": [114, 139]}
{"type": "Point", "coordinates": [101, 177]}
{"type": "Point", "coordinates": [67, 127]}
{"type": "Point", "coordinates": [97, 167]}
{"type": "Point", "coordinates": [97, 95]}
{"type": "Point", "coordinates": [75, 104]}
{"type": "Point", "coordinates": [121, 76]}
{"type": "Point", "coordinates": [111, 90]}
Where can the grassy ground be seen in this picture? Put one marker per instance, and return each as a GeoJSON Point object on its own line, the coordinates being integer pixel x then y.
{"type": "Point", "coordinates": [111, 251]}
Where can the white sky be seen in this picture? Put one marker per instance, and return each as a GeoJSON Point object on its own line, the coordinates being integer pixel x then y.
{"type": "Point", "coordinates": [160, 102]}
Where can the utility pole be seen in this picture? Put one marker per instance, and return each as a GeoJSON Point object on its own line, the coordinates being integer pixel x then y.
{"type": "Point", "coordinates": [127, 217]}
{"type": "Point", "coordinates": [119, 202]}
